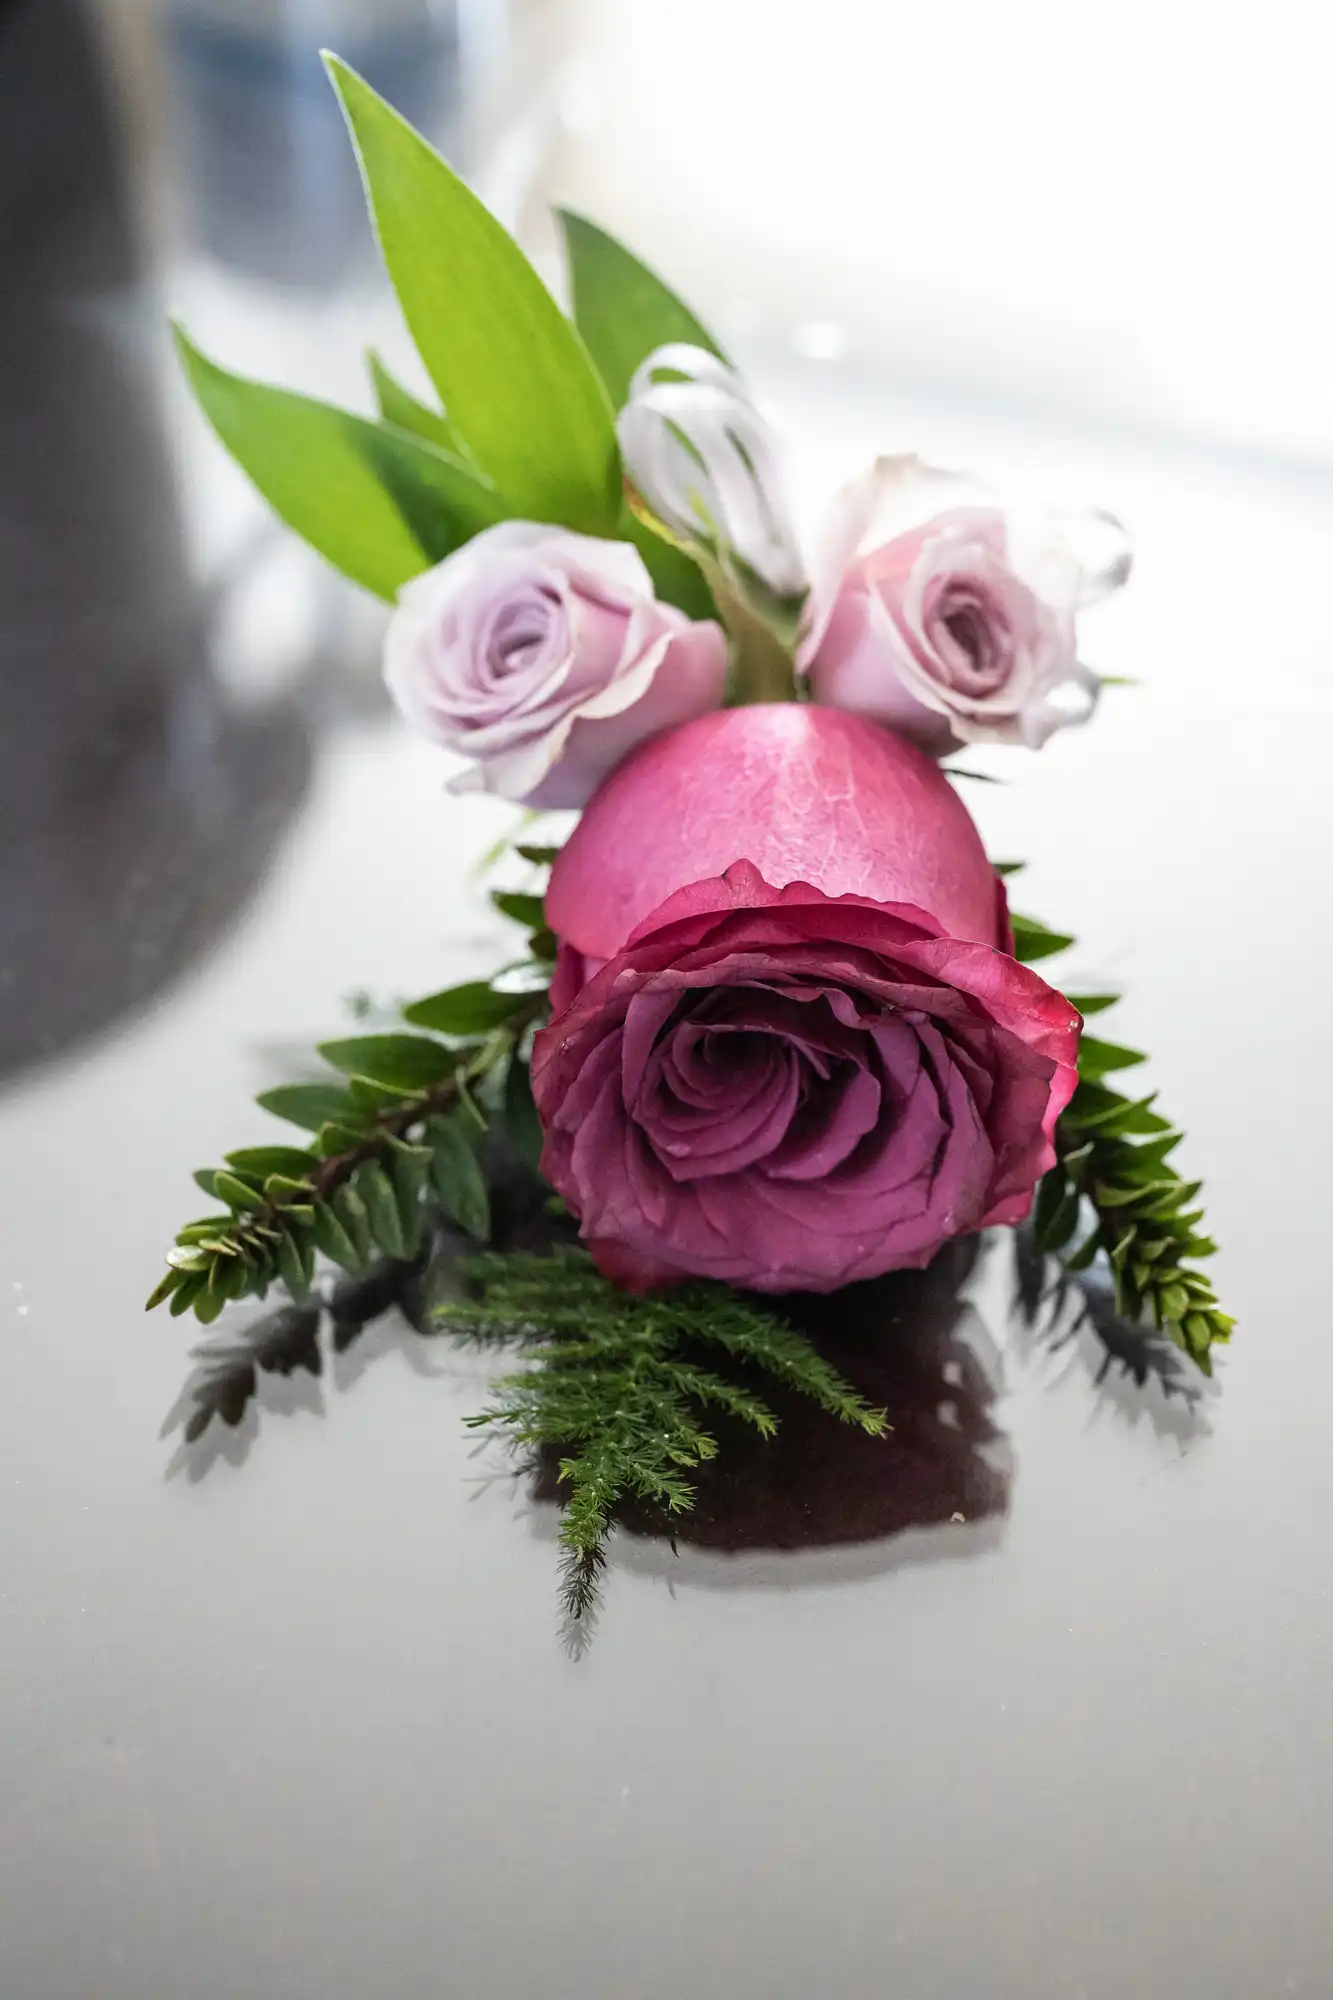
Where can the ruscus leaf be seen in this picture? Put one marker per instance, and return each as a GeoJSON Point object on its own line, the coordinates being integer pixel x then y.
{"type": "Point", "coordinates": [623, 310]}
{"type": "Point", "coordinates": [381, 506]}
{"type": "Point", "coordinates": [511, 371]}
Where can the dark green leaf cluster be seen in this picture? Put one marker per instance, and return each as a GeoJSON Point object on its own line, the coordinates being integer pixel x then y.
{"type": "Point", "coordinates": [396, 1126]}
{"type": "Point", "coordinates": [622, 1385]}
{"type": "Point", "coordinates": [1113, 1190]}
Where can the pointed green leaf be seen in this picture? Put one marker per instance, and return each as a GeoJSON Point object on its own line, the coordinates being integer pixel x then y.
{"type": "Point", "coordinates": [266, 1160]}
{"type": "Point", "coordinates": [473, 1009]}
{"type": "Point", "coordinates": [332, 1238]}
{"type": "Point", "coordinates": [164, 1287]}
{"type": "Point", "coordinates": [309, 1105]}
{"type": "Point", "coordinates": [1033, 940]}
{"type": "Point", "coordinates": [379, 505]}
{"type": "Point", "coordinates": [350, 1210]}
{"type": "Point", "coordinates": [333, 1139]}
{"type": "Point", "coordinates": [540, 857]}
{"type": "Point", "coordinates": [376, 1190]}
{"type": "Point", "coordinates": [458, 1177]}
{"type": "Point", "coordinates": [1009, 868]}
{"type": "Point", "coordinates": [1092, 1003]}
{"type": "Point", "coordinates": [296, 1264]}
{"type": "Point", "coordinates": [510, 370]}
{"type": "Point", "coordinates": [526, 910]}
{"type": "Point", "coordinates": [622, 309]}
{"type": "Point", "coordinates": [1098, 1059]}
{"type": "Point", "coordinates": [403, 1062]}
{"type": "Point", "coordinates": [205, 1177]}
{"type": "Point", "coordinates": [677, 578]}
{"type": "Point", "coordinates": [375, 1096]}
{"type": "Point", "coordinates": [185, 1294]}
{"type": "Point", "coordinates": [237, 1193]}
{"type": "Point", "coordinates": [207, 1305]}
{"type": "Point", "coordinates": [398, 406]}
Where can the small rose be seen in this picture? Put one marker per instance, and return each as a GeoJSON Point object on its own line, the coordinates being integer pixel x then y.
{"type": "Point", "coordinates": [705, 460]}
{"type": "Point", "coordinates": [939, 611]}
{"type": "Point", "coordinates": [791, 1048]}
{"type": "Point", "coordinates": [543, 657]}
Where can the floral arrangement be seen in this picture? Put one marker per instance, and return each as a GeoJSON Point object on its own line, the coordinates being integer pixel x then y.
{"type": "Point", "coordinates": [774, 1030]}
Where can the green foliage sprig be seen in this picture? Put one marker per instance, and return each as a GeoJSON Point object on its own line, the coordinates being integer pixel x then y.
{"type": "Point", "coordinates": [397, 1122]}
{"type": "Point", "coordinates": [1113, 1191]}
{"type": "Point", "coordinates": [621, 1386]}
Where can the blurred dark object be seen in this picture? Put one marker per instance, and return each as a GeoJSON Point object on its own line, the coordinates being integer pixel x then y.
{"type": "Point", "coordinates": [261, 151]}
{"type": "Point", "coordinates": [136, 808]}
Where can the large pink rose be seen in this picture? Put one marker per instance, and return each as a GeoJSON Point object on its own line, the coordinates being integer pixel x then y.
{"type": "Point", "coordinates": [790, 1050]}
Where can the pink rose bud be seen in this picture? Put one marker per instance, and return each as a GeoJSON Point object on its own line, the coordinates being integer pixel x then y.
{"type": "Point", "coordinates": [950, 617]}
{"type": "Point", "coordinates": [543, 657]}
{"type": "Point", "coordinates": [705, 460]}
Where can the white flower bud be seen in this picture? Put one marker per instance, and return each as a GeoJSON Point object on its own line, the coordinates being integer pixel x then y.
{"type": "Point", "coordinates": [705, 461]}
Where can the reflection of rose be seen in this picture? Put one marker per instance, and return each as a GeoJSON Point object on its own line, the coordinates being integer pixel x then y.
{"type": "Point", "coordinates": [543, 657]}
{"type": "Point", "coordinates": [771, 1080]}
{"type": "Point", "coordinates": [940, 612]}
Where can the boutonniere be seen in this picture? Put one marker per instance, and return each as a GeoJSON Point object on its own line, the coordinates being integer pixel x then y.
{"type": "Point", "coordinates": [772, 1030]}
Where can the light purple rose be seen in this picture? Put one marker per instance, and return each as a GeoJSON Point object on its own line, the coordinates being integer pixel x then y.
{"type": "Point", "coordinates": [543, 657]}
{"type": "Point", "coordinates": [938, 610]}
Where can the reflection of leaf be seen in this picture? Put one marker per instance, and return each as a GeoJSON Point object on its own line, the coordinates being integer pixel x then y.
{"type": "Point", "coordinates": [509, 368]}
{"type": "Point", "coordinates": [1043, 1292]}
{"type": "Point", "coordinates": [380, 505]}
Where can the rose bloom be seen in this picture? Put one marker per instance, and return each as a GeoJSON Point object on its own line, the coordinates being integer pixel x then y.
{"type": "Point", "coordinates": [937, 610]}
{"type": "Point", "coordinates": [543, 657]}
{"type": "Point", "coordinates": [790, 1048]}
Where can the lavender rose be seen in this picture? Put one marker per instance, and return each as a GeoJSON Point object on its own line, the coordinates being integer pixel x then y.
{"type": "Point", "coordinates": [939, 611]}
{"type": "Point", "coordinates": [543, 657]}
{"type": "Point", "coordinates": [767, 1079]}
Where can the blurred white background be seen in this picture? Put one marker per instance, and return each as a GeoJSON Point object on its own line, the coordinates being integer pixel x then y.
{"type": "Point", "coordinates": [1107, 211]}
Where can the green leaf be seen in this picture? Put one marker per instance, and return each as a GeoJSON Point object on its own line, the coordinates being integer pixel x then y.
{"type": "Point", "coordinates": [403, 1062]}
{"type": "Point", "coordinates": [1092, 1003]}
{"type": "Point", "coordinates": [398, 406]}
{"type": "Point", "coordinates": [1009, 867]}
{"type": "Point", "coordinates": [1033, 940]}
{"type": "Point", "coordinates": [510, 370]}
{"type": "Point", "coordinates": [409, 1169]}
{"type": "Point", "coordinates": [458, 1178]}
{"type": "Point", "coordinates": [237, 1193]}
{"type": "Point", "coordinates": [309, 1105]}
{"type": "Point", "coordinates": [1098, 1059]}
{"type": "Point", "coordinates": [473, 1009]}
{"type": "Point", "coordinates": [677, 578]}
{"type": "Point", "coordinates": [351, 1212]}
{"type": "Point", "coordinates": [333, 1139]}
{"type": "Point", "coordinates": [386, 1224]}
{"type": "Point", "coordinates": [164, 1287]}
{"type": "Point", "coordinates": [622, 309]}
{"type": "Point", "coordinates": [374, 1097]}
{"type": "Point", "coordinates": [296, 1263]}
{"type": "Point", "coordinates": [333, 1239]}
{"type": "Point", "coordinates": [379, 505]}
{"type": "Point", "coordinates": [189, 1289]}
{"type": "Point", "coordinates": [525, 910]}
{"type": "Point", "coordinates": [540, 857]}
{"type": "Point", "coordinates": [266, 1160]}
